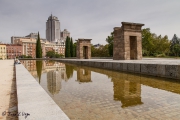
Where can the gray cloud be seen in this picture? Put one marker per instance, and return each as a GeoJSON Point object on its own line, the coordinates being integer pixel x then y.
{"type": "Point", "coordinates": [93, 19]}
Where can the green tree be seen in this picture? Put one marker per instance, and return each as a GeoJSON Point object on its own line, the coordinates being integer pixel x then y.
{"type": "Point", "coordinates": [71, 48]}
{"type": "Point", "coordinates": [102, 51]}
{"type": "Point", "coordinates": [50, 54]}
{"type": "Point", "coordinates": [176, 49]}
{"type": "Point", "coordinates": [175, 46]}
{"type": "Point", "coordinates": [74, 51]}
{"type": "Point", "coordinates": [109, 40]}
{"type": "Point", "coordinates": [38, 48]}
{"type": "Point", "coordinates": [147, 42]}
{"type": "Point", "coordinates": [153, 45]}
{"type": "Point", "coordinates": [67, 47]}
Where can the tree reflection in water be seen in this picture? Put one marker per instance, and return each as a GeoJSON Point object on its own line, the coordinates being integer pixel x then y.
{"type": "Point", "coordinates": [39, 69]}
{"type": "Point", "coordinates": [69, 71]}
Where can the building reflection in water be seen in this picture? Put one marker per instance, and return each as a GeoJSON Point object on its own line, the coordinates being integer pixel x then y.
{"type": "Point", "coordinates": [54, 81]}
{"type": "Point", "coordinates": [129, 93]}
{"type": "Point", "coordinates": [31, 66]}
{"type": "Point", "coordinates": [83, 75]}
{"type": "Point", "coordinates": [56, 72]}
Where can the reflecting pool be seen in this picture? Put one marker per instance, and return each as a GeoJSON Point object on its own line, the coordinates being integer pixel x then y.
{"type": "Point", "coordinates": [87, 93]}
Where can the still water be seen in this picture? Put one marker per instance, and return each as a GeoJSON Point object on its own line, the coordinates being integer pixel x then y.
{"type": "Point", "coordinates": [86, 93]}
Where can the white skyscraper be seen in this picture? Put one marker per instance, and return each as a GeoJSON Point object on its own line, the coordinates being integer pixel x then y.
{"type": "Point", "coordinates": [53, 29]}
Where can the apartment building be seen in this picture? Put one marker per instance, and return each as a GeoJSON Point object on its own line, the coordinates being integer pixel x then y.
{"type": "Point", "coordinates": [3, 54]}
{"type": "Point", "coordinates": [13, 50]}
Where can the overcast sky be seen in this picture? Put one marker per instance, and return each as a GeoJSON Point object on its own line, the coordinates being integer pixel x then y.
{"type": "Point", "coordinates": [94, 19]}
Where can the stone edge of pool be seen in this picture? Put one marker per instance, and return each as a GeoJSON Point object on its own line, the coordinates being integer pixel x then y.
{"type": "Point", "coordinates": [157, 68]}
{"type": "Point", "coordinates": [33, 99]}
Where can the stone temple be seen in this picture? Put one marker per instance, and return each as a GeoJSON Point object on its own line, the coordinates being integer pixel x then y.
{"type": "Point", "coordinates": [128, 42]}
{"type": "Point", "coordinates": [83, 48]}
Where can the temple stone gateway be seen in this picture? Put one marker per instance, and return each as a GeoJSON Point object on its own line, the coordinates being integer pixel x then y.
{"type": "Point", "coordinates": [83, 48]}
{"type": "Point", "coordinates": [128, 42]}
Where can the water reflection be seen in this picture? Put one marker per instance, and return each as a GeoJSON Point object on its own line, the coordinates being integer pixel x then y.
{"type": "Point", "coordinates": [54, 81]}
{"type": "Point", "coordinates": [83, 75]}
{"type": "Point", "coordinates": [39, 69]}
{"type": "Point", "coordinates": [129, 93]}
{"type": "Point", "coordinates": [110, 94]}
{"type": "Point", "coordinates": [69, 71]}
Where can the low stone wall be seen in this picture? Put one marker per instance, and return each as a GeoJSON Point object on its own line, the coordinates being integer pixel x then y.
{"type": "Point", "coordinates": [154, 69]}
{"type": "Point", "coordinates": [33, 101]}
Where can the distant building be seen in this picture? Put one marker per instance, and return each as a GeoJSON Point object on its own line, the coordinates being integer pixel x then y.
{"type": "Point", "coordinates": [3, 54]}
{"type": "Point", "coordinates": [31, 35]}
{"type": "Point", "coordinates": [53, 29]}
{"type": "Point", "coordinates": [64, 34]}
{"type": "Point", "coordinates": [97, 45]}
{"type": "Point", "coordinates": [14, 38]}
{"type": "Point", "coordinates": [58, 47]}
{"type": "Point", "coordinates": [29, 46]}
{"type": "Point", "coordinates": [13, 50]}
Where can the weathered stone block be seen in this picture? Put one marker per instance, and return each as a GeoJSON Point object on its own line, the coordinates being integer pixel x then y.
{"type": "Point", "coordinates": [124, 66]}
{"type": "Point", "coordinates": [137, 68]}
{"type": "Point", "coordinates": [116, 66]}
{"type": "Point", "coordinates": [161, 70]}
{"type": "Point", "coordinates": [130, 67]}
{"type": "Point", "coordinates": [108, 65]}
{"type": "Point", "coordinates": [171, 71]}
{"type": "Point", "coordinates": [144, 68]}
{"type": "Point", "coordinates": [150, 69]}
{"type": "Point", "coordinates": [178, 73]}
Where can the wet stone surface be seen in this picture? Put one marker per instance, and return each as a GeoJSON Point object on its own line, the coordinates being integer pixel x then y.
{"type": "Point", "coordinates": [96, 94]}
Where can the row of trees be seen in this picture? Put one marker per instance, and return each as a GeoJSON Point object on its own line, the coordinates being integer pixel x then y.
{"type": "Point", "coordinates": [70, 48]}
{"type": "Point", "coordinates": [154, 45]}
{"type": "Point", "coordinates": [102, 51]}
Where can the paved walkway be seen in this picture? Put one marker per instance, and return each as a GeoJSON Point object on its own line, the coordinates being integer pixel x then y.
{"type": "Point", "coordinates": [7, 89]}
{"type": "Point", "coordinates": [33, 99]}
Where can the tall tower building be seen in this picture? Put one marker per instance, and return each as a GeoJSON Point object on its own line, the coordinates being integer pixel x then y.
{"type": "Point", "coordinates": [52, 29]}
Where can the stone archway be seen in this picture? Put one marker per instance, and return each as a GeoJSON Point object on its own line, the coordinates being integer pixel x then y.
{"type": "Point", "coordinates": [83, 49]}
{"type": "Point", "coordinates": [128, 42]}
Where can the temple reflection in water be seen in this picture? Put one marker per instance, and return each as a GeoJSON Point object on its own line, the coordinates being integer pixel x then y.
{"type": "Point", "coordinates": [83, 75]}
{"type": "Point", "coordinates": [129, 93]}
